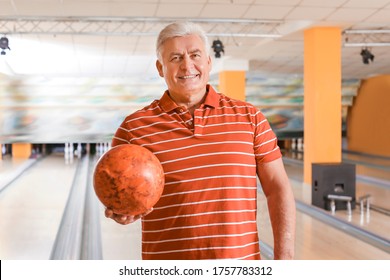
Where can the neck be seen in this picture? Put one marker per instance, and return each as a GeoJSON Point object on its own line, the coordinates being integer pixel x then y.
{"type": "Point", "coordinates": [191, 105]}
{"type": "Point", "coordinates": [191, 102]}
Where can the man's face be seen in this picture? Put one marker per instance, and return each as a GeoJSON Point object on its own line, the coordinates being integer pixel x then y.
{"type": "Point", "coordinates": [185, 66]}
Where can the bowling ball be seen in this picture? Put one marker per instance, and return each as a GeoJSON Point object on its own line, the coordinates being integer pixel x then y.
{"type": "Point", "coordinates": [128, 179]}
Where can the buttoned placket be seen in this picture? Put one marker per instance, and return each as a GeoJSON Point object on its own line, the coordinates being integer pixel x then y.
{"type": "Point", "coordinates": [198, 119]}
{"type": "Point", "coordinates": [186, 117]}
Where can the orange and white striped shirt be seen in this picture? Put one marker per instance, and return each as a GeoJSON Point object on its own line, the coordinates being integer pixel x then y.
{"type": "Point", "coordinates": [208, 207]}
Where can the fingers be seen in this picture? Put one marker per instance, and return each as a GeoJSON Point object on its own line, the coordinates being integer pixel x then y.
{"type": "Point", "coordinates": [108, 213]}
{"type": "Point", "coordinates": [124, 219]}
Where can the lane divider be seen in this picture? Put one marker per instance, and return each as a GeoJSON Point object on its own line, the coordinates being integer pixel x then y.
{"type": "Point", "coordinates": [67, 245]}
{"type": "Point", "coordinates": [10, 177]}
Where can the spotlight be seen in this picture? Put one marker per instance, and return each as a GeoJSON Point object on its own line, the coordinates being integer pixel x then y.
{"type": "Point", "coordinates": [4, 45]}
{"type": "Point", "coordinates": [367, 56]}
{"type": "Point", "coordinates": [218, 48]}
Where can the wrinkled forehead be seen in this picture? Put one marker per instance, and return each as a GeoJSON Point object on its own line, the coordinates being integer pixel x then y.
{"type": "Point", "coordinates": [183, 44]}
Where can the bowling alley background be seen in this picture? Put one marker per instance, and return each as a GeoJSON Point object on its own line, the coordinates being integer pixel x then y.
{"type": "Point", "coordinates": [53, 110]}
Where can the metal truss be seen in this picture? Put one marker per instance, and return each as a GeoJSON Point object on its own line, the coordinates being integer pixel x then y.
{"type": "Point", "coordinates": [367, 38]}
{"type": "Point", "coordinates": [131, 26]}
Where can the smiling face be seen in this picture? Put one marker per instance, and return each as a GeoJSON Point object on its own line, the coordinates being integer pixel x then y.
{"type": "Point", "coordinates": [185, 66]}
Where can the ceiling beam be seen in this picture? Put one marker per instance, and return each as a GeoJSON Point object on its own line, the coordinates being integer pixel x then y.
{"type": "Point", "coordinates": [366, 38]}
{"type": "Point", "coordinates": [134, 26]}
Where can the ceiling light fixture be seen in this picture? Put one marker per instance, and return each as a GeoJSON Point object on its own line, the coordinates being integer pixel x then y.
{"type": "Point", "coordinates": [4, 45]}
{"type": "Point", "coordinates": [367, 56]}
{"type": "Point", "coordinates": [218, 48]}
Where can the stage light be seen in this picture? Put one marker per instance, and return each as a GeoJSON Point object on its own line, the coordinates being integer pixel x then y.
{"type": "Point", "coordinates": [367, 56]}
{"type": "Point", "coordinates": [4, 45]}
{"type": "Point", "coordinates": [218, 48]}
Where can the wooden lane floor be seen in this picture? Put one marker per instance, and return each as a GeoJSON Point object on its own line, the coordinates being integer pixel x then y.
{"type": "Point", "coordinates": [316, 240]}
{"type": "Point", "coordinates": [380, 162]}
{"type": "Point", "coordinates": [31, 209]}
{"type": "Point", "coordinates": [379, 196]}
{"type": "Point", "coordinates": [8, 164]}
{"type": "Point", "coordinates": [375, 222]}
{"type": "Point", "coordinates": [120, 242]}
{"type": "Point", "coordinates": [11, 167]}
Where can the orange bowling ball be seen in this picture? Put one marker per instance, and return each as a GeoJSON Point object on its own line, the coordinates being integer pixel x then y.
{"type": "Point", "coordinates": [128, 179]}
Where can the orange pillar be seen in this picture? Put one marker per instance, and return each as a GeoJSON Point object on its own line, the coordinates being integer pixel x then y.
{"type": "Point", "coordinates": [21, 150]}
{"type": "Point", "coordinates": [232, 84]}
{"type": "Point", "coordinates": [322, 97]}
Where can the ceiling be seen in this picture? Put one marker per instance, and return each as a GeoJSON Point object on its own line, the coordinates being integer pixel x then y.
{"type": "Point", "coordinates": [39, 48]}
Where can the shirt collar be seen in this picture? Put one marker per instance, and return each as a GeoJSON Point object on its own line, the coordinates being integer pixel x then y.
{"type": "Point", "coordinates": [212, 100]}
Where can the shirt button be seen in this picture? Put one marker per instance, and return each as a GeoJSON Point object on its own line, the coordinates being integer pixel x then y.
{"type": "Point", "coordinates": [190, 123]}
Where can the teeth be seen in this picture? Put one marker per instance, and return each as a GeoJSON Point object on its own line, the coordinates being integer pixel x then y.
{"type": "Point", "coordinates": [188, 77]}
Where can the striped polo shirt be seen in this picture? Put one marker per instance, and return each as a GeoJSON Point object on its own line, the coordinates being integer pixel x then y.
{"type": "Point", "coordinates": [209, 203]}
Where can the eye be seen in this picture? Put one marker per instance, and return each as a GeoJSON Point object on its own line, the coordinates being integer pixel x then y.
{"type": "Point", "coordinates": [175, 58]}
{"type": "Point", "coordinates": [196, 55]}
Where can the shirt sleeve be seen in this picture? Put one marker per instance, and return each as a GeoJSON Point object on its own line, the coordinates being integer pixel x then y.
{"type": "Point", "coordinates": [121, 135]}
{"type": "Point", "coordinates": [265, 141]}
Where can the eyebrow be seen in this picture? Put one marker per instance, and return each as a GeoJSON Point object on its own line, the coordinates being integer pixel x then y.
{"type": "Point", "coordinates": [190, 52]}
{"type": "Point", "coordinates": [196, 51]}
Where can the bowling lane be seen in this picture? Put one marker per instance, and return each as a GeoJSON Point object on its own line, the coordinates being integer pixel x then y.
{"type": "Point", "coordinates": [120, 242]}
{"type": "Point", "coordinates": [380, 162]}
{"type": "Point", "coordinates": [10, 168]}
{"type": "Point", "coordinates": [9, 164]}
{"type": "Point", "coordinates": [374, 222]}
{"type": "Point", "coordinates": [317, 241]}
{"type": "Point", "coordinates": [31, 208]}
{"type": "Point", "coordinates": [377, 223]}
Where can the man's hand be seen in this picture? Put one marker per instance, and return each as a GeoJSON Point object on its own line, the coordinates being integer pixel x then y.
{"type": "Point", "coordinates": [124, 219]}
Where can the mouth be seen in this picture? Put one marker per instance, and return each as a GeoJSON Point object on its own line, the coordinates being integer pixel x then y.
{"type": "Point", "coordinates": [186, 77]}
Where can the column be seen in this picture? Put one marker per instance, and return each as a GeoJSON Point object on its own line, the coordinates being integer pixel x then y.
{"type": "Point", "coordinates": [232, 80]}
{"type": "Point", "coordinates": [21, 150]}
{"type": "Point", "coordinates": [322, 97]}
{"type": "Point", "coordinates": [232, 84]}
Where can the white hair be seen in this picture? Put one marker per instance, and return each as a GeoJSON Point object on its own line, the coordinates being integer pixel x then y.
{"type": "Point", "coordinates": [180, 29]}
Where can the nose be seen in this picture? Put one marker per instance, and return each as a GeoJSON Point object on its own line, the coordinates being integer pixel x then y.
{"type": "Point", "coordinates": [186, 62]}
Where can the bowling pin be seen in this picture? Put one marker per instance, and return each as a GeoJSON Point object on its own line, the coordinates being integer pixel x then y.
{"type": "Point", "coordinates": [79, 150]}
{"type": "Point", "coordinates": [368, 210]}
{"type": "Point", "coordinates": [66, 153]}
{"type": "Point", "coordinates": [300, 144]}
{"type": "Point", "coordinates": [293, 144]}
{"type": "Point", "coordinates": [333, 206]}
{"type": "Point", "coordinates": [349, 209]}
{"type": "Point", "coordinates": [98, 149]}
{"type": "Point", "coordinates": [71, 150]}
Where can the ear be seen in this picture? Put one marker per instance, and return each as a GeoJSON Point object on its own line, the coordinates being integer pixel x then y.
{"type": "Point", "coordinates": [210, 62]}
{"type": "Point", "coordinates": [159, 67]}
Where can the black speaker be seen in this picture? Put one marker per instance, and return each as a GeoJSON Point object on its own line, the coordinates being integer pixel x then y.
{"type": "Point", "coordinates": [335, 179]}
